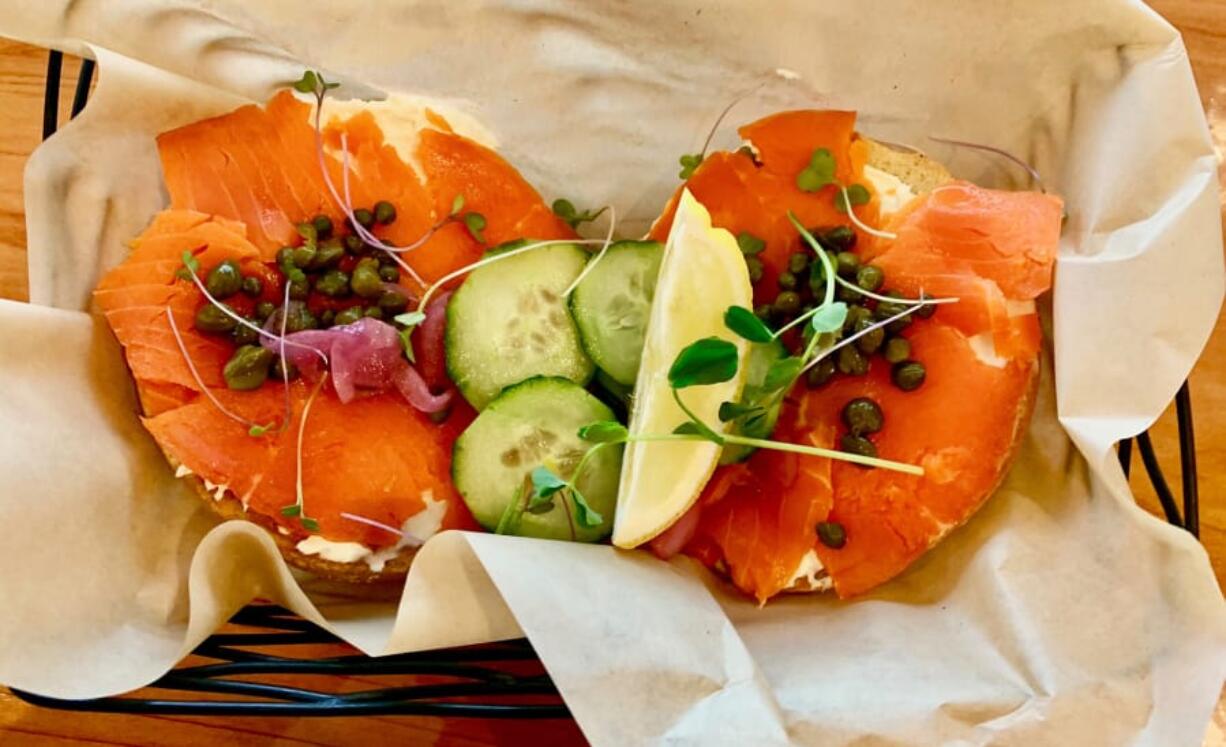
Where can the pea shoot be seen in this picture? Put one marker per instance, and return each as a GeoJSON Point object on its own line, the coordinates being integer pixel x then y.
{"type": "Point", "coordinates": [566, 210]}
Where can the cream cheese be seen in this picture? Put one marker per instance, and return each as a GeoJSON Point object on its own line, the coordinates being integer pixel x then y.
{"type": "Point", "coordinates": [984, 348]}
{"type": "Point", "coordinates": [1019, 308]}
{"type": "Point", "coordinates": [402, 117]}
{"type": "Point", "coordinates": [892, 192]}
{"type": "Point", "coordinates": [337, 552]}
{"type": "Point", "coordinates": [807, 570]}
{"type": "Point", "coordinates": [418, 528]}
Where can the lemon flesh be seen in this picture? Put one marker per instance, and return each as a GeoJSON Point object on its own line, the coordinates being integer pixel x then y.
{"type": "Point", "coordinates": [702, 274]}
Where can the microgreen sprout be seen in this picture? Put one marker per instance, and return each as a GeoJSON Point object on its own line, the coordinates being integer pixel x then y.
{"type": "Point", "coordinates": [313, 83]}
{"type": "Point", "coordinates": [1031, 170]}
{"type": "Point", "coordinates": [254, 428]}
{"type": "Point", "coordinates": [372, 523]}
{"type": "Point", "coordinates": [700, 364]}
{"type": "Point", "coordinates": [591, 265]}
{"type": "Point", "coordinates": [821, 173]}
{"type": "Point", "coordinates": [571, 216]}
{"type": "Point", "coordinates": [297, 509]}
{"type": "Point", "coordinates": [691, 161]}
{"type": "Point", "coordinates": [848, 200]}
{"type": "Point", "coordinates": [491, 259]}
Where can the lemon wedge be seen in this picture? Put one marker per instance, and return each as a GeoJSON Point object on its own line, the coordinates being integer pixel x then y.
{"type": "Point", "coordinates": [702, 274]}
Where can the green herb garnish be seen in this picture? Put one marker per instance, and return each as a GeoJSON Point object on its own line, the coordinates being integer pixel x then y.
{"type": "Point", "coordinates": [857, 194]}
{"type": "Point", "coordinates": [689, 163]}
{"type": "Point", "coordinates": [819, 173]}
{"type": "Point", "coordinates": [746, 324]}
{"type": "Point", "coordinates": [749, 244]}
{"type": "Point", "coordinates": [565, 209]}
{"type": "Point", "coordinates": [475, 223]}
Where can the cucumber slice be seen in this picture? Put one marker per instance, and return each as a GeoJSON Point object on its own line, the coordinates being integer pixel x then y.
{"type": "Point", "coordinates": [757, 363]}
{"type": "Point", "coordinates": [508, 322]}
{"type": "Point", "coordinates": [613, 303]}
{"type": "Point", "coordinates": [532, 424]}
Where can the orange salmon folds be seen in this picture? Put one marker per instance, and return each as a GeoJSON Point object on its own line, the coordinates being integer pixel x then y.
{"type": "Point", "coordinates": [239, 185]}
{"type": "Point", "coordinates": [993, 250]}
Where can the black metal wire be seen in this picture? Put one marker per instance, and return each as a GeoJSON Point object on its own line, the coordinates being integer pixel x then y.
{"type": "Point", "coordinates": [1187, 461]}
{"type": "Point", "coordinates": [84, 79]}
{"type": "Point", "coordinates": [1157, 479]}
{"type": "Point", "coordinates": [1124, 453]}
{"type": "Point", "coordinates": [51, 94]}
{"type": "Point", "coordinates": [487, 673]}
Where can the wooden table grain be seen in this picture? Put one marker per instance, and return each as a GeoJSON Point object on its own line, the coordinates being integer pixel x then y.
{"type": "Point", "coordinates": [22, 78]}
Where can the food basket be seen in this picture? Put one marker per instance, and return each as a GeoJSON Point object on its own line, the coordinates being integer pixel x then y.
{"type": "Point", "coordinates": [242, 673]}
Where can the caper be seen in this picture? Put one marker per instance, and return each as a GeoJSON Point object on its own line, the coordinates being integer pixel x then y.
{"type": "Point", "coordinates": [846, 264]}
{"type": "Point", "coordinates": [787, 280]}
{"type": "Point", "coordinates": [846, 295]}
{"type": "Point", "coordinates": [307, 231]}
{"type": "Point", "coordinates": [927, 310]}
{"type": "Point", "coordinates": [389, 274]}
{"type": "Point", "coordinates": [387, 259]}
{"type": "Point", "coordinates": [354, 244]}
{"type": "Point", "coordinates": [856, 315]}
{"type": "Point", "coordinates": [364, 217]}
{"type": "Point", "coordinates": [253, 286]}
{"type": "Point", "coordinates": [798, 262]}
{"type": "Point", "coordinates": [327, 254]}
{"type": "Point", "coordinates": [373, 312]}
{"type": "Point", "coordinates": [898, 325]}
{"type": "Point", "coordinates": [327, 317]}
{"type": "Point", "coordinates": [333, 283]}
{"type": "Point", "coordinates": [393, 302]}
{"type": "Point", "coordinates": [870, 277]}
{"type": "Point", "coordinates": [851, 361]}
{"type": "Point", "coordinates": [897, 350]}
{"type": "Point", "coordinates": [224, 280]}
{"type": "Point", "coordinates": [299, 287]}
{"type": "Point", "coordinates": [323, 226]}
{"type": "Point", "coordinates": [365, 280]}
{"type": "Point", "coordinates": [870, 342]}
{"type": "Point", "coordinates": [385, 212]}
{"type": "Point", "coordinates": [247, 368]}
{"type": "Point", "coordinates": [821, 373]}
{"type": "Point", "coordinates": [863, 416]}
{"type": "Point", "coordinates": [301, 318]}
{"type": "Point", "coordinates": [908, 375]}
{"type": "Point", "coordinates": [764, 311]}
{"type": "Point", "coordinates": [244, 335]}
{"type": "Point", "coordinates": [853, 444]}
{"type": "Point", "coordinates": [840, 238]}
{"type": "Point", "coordinates": [285, 261]}
{"type": "Point", "coordinates": [347, 316]}
{"type": "Point", "coordinates": [264, 309]}
{"type": "Point", "coordinates": [787, 302]}
{"type": "Point", "coordinates": [211, 318]}
{"type": "Point", "coordinates": [756, 268]}
{"type": "Point", "coordinates": [304, 256]}
{"type": "Point", "coordinates": [832, 534]}
{"type": "Point", "coordinates": [283, 372]}
{"type": "Point", "coordinates": [887, 309]}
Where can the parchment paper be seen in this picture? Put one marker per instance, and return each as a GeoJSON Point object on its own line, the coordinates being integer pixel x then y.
{"type": "Point", "coordinates": [1061, 614]}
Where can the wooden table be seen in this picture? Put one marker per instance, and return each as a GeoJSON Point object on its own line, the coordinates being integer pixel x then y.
{"type": "Point", "coordinates": [22, 76]}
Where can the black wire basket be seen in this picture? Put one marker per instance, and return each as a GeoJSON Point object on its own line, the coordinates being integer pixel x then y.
{"type": "Point", "coordinates": [502, 680]}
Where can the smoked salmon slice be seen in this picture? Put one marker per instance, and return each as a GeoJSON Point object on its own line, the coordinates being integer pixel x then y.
{"type": "Point", "coordinates": [993, 250]}
{"type": "Point", "coordinates": [260, 166]}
